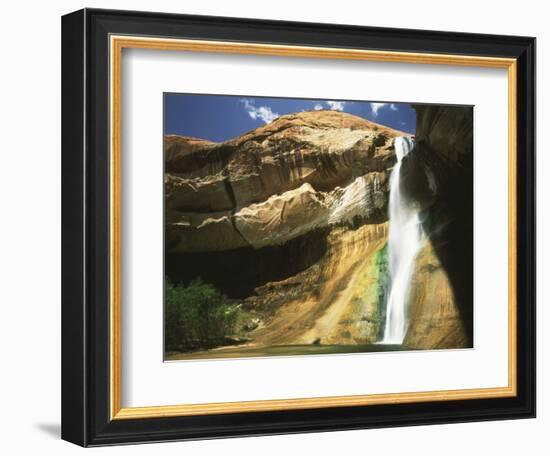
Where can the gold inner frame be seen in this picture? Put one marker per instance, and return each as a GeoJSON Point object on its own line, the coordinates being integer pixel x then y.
{"type": "Point", "coordinates": [117, 44]}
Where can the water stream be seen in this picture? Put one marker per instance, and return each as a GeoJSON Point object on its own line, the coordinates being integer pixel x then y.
{"type": "Point", "coordinates": [403, 245]}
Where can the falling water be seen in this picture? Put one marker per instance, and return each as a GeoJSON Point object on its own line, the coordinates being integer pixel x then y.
{"type": "Point", "coordinates": [403, 244]}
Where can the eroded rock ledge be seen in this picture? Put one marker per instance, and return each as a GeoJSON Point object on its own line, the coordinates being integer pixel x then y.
{"type": "Point", "coordinates": [300, 173]}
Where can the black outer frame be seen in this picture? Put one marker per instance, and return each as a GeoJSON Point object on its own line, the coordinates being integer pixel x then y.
{"type": "Point", "coordinates": [85, 226]}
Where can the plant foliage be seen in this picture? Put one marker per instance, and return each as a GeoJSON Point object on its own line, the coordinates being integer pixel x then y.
{"type": "Point", "coordinates": [197, 316]}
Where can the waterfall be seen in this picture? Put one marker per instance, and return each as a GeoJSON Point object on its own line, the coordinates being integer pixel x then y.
{"type": "Point", "coordinates": [403, 245]}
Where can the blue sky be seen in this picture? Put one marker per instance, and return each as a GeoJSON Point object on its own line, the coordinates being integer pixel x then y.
{"type": "Point", "coordinates": [222, 117]}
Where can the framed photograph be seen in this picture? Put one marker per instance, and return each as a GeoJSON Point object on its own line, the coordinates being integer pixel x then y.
{"type": "Point", "coordinates": [278, 227]}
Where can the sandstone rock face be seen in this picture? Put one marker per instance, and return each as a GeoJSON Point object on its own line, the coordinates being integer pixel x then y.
{"type": "Point", "coordinates": [300, 172]}
{"type": "Point", "coordinates": [337, 300]}
{"type": "Point", "coordinates": [291, 220]}
{"type": "Point", "coordinates": [435, 320]}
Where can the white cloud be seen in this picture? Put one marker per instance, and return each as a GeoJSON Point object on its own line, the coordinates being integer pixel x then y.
{"type": "Point", "coordinates": [375, 107]}
{"type": "Point", "coordinates": [336, 105]}
{"type": "Point", "coordinates": [263, 113]}
{"type": "Point", "coordinates": [318, 107]}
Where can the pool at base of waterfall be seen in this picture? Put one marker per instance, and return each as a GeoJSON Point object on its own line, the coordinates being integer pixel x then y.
{"type": "Point", "coordinates": [248, 351]}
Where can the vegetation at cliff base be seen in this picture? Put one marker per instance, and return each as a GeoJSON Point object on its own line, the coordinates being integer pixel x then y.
{"type": "Point", "coordinates": [197, 316]}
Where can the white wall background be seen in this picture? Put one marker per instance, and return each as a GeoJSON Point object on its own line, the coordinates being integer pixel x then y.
{"type": "Point", "coordinates": [30, 226]}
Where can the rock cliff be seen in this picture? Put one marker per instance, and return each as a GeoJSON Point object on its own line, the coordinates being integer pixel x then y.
{"type": "Point", "coordinates": [301, 172]}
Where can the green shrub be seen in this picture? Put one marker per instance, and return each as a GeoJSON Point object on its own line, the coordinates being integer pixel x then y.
{"type": "Point", "coordinates": [197, 316]}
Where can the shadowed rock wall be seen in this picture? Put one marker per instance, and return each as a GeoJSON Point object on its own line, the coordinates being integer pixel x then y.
{"type": "Point", "coordinates": [438, 177]}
